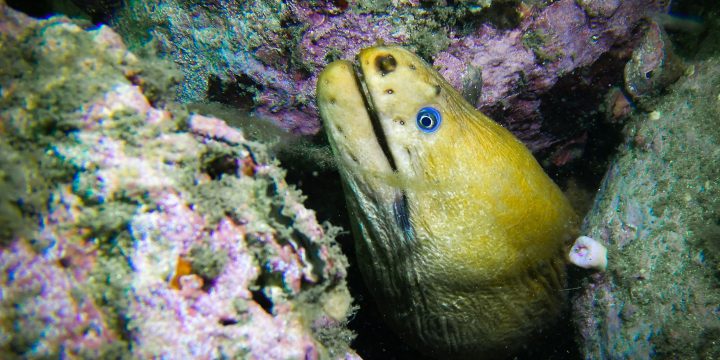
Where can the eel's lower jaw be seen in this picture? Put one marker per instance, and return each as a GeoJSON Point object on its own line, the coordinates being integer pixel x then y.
{"type": "Point", "coordinates": [372, 114]}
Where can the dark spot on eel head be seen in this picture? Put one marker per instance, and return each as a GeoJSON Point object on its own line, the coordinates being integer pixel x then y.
{"type": "Point", "coordinates": [412, 67]}
{"type": "Point", "coordinates": [332, 101]}
{"type": "Point", "coordinates": [385, 64]}
{"type": "Point", "coordinates": [437, 89]}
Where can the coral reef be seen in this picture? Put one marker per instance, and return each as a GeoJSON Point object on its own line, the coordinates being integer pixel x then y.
{"type": "Point", "coordinates": [131, 228]}
{"type": "Point", "coordinates": [657, 212]}
{"type": "Point", "coordinates": [266, 54]}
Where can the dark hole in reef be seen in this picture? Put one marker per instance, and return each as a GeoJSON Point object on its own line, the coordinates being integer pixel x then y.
{"type": "Point", "coordinates": [582, 94]}
{"type": "Point", "coordinates": [502, 15]}
{"type": "Point", "coordinates": [261, 299]}
{"type": "Point", "coordinates": [238, 91]}
{"type": "Point", "coordinates": [220, 165]}
{"type": "Point", "coordinates": [312, 249]}
{"type": "Point", "coordinates": [65, 262]}
{"type": "Point", "coordinates": [228, 321]}
{"type": "Point", "coordinates": [287, 23]}
{"type": "Point", "coordinates": [38, 8]}
{"type": "Point", "coordinates": [98, 11]}
{"type": "Point", "coordinates": [341, 4]}
{"type": "Point", "coordinates": [208, 284]}
{"type": "Point", "coordinates": [700, 12]}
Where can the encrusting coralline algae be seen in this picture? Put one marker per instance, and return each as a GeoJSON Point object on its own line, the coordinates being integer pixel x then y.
{"type": "Point", "coordinates": [131, 228]}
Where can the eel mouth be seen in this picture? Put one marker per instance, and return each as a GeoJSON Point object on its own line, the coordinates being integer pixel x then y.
{"type": "Point", "coordinates": [400, 206]}
{"type": "Point", "coordinates": [359, 76]}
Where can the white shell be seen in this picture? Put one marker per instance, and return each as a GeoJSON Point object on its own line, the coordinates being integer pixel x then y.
{"type": "Point", "coordinates": [587, 253]}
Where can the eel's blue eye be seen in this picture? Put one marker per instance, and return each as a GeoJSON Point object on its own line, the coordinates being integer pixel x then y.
{"type": "Point", "coordinates": [428, 119]}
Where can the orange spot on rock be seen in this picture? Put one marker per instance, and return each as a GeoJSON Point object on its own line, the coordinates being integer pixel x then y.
{"type": "Point", "coordinates": [183, 268]}
{"type": "Point", "coordinates": [248, 166]}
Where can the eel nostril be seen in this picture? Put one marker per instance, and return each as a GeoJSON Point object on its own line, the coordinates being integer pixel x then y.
{"type": "Point", "coordinates": [385, 64]}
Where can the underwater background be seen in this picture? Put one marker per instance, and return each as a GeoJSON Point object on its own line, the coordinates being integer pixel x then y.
{"type": "Point", "coordinates": [167, 189]}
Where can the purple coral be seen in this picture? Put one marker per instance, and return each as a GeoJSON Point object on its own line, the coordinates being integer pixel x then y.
{"type": "Point", "coordinates": [520, 64]}
{"type": "Point", "coordinates": [42, 293]}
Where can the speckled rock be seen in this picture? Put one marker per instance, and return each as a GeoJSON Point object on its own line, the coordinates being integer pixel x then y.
{"type": "Point", "coordinates": [132, 229]}
{"type": "Point", "coordinates": [657, 212]}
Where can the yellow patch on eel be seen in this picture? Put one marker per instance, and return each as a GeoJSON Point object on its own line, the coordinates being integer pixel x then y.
{"type": "Point", "coordinates": [459, 232]}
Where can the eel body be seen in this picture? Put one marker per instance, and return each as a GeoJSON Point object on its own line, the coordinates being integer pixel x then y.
{"type": "Point", "coordinates": [458, 231]}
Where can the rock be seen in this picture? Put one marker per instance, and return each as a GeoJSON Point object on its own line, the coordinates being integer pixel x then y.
{"type": "Point", "coordinates": [657, 212]}
{"type": "Point", "coordinates": [137, 230]}
{"type": "Point", "coordinates": [653, 66]}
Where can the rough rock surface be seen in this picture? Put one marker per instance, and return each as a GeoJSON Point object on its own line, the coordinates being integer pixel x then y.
{"type": "Point", "coordinates": [657, 211]}
{"type": "Point", "coordinates": [130, 228]}
{"type": "Point", "coordinates": [266, 54]}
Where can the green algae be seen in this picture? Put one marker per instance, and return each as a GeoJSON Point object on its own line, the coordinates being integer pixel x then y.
{"type": "Point", "coordinates": [206, 262]}
{"type": "Point", "coordinates": [26, 327]}
{"type": "Point", "coordinates": [430, 40]}
{"type": "Point", "coordinates": [536, 41]}
{"type": "Point", "coordinates": [49, 84]}
{"type": "Point", "coordinates": [12, 177]}
{"type": "Point", "coordinates": [146, 24]}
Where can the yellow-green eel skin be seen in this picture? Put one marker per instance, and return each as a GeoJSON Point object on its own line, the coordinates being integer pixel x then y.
{"type": "Point", "coordinates": [459, 232]}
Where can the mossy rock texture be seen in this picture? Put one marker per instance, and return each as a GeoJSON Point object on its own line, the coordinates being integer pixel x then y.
{"type": "Point", "coordinates": [132, 228]}
{"type": "Point", "coordinates": [658, 212]}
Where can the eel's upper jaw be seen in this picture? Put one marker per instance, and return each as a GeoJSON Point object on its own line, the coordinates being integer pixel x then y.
{"type": "Point", "coordinates": [372, 113]}
{"type": "Point", "coordinates": [343, 109]}
{"type": "Point", "coordinates": [397, 83]}
{"type": "Point", "coordinates": [362, 88]}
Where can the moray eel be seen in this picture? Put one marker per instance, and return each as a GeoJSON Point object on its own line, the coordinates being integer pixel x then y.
{"type": "Point", "coordinates": [458, 231]}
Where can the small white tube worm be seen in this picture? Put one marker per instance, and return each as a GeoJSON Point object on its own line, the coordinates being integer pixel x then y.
{"type": "Point", "coordinates": [588, 253]}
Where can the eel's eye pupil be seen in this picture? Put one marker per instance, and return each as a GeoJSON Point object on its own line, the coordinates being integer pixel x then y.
{"type": "Point", "coordinates": [428, 119]}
